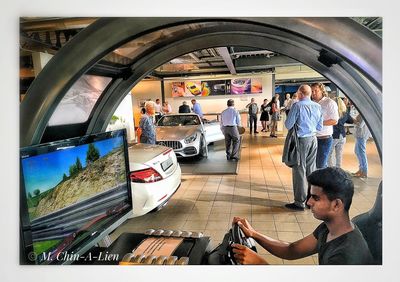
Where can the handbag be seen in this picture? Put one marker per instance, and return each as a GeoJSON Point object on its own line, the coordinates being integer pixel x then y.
{"type": "Point", "coordinates": [291, 154]}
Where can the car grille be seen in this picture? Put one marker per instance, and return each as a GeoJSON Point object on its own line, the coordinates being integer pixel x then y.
{"type": "Point", "coordinates": [172, 144]}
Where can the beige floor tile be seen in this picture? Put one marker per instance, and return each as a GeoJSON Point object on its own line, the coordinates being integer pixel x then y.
{"type": "Point", "coordinates": [223, 225]}
{"type": "Point", "coordinates": [263, 225]}
{"type": "Point", "coordinates": [220, 216]}
{"type": "Point", "coordinates": [192, 225]}
{"type": "Point", "coordinates": [220, 210]}
{"type": "Point", "coordinates": [288, 226]}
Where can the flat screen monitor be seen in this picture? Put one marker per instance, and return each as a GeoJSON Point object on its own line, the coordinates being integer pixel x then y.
{"type": "Point", "coordinates": [73, 193]}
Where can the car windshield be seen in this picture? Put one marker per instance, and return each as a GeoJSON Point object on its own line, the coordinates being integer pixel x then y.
{"type": "Point", "coordinates": [179, 120]}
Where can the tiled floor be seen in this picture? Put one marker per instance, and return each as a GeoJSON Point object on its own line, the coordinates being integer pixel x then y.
{"type": "Point", "coordinates": [259, 192]}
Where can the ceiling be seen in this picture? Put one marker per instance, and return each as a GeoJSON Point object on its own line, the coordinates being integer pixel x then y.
{"type": "Point", "coordinates": [48, 35]}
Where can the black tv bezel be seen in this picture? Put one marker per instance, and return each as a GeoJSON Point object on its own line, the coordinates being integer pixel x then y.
{"type": "Point", "coordinates": [26, 243]}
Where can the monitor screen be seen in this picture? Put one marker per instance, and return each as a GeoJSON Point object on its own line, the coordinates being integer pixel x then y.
{"type": "Point", "coordinates": [73, 193]}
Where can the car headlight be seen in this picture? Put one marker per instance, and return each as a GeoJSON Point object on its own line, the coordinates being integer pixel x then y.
{"type": "Point", "coordinates": [191, 138]}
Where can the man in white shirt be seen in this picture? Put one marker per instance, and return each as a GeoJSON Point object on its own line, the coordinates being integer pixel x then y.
{"type": "Point", "coordinates": [330, 115]}
{"type": "Point", "coordinates": [286, 103]}
{"type": "Point", "coordinates": [230, 120]}
{"type": "Point", "coordinates": [157, 109]}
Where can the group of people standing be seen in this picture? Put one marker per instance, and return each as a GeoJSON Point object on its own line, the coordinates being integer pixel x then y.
{"type": "Point", "coordinates": [270, 112]}
{"type": "Point", "coordinates": [321, 134]}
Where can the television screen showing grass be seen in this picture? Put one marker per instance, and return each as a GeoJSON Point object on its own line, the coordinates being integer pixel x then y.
{"type": "Point", "coordinates": [71, 191]}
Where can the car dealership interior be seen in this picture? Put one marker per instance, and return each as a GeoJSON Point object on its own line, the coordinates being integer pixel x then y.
{"type": "Point", "coordinates": [89, 186]}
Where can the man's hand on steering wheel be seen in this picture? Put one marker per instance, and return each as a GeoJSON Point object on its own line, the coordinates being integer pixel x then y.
{"type": "Point", "coordinates": [247, 229]}
{"type": "Point", "coordinates": [244, 255]}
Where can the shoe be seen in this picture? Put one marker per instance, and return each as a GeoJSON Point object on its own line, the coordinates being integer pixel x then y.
{"type": "Point", "coordinates": [256, 132]}
{"type": "Point", "coordinates": [262, 130]}
{"type": "Point", "coordinates": [293, 206]}
{"type": "Point", "coordinates": [234, 159]}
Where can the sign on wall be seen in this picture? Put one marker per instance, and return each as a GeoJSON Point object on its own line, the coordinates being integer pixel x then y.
{"type": "Point", "coordinates": [237, 86]}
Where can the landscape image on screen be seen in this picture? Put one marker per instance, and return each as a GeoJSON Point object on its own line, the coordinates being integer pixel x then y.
{"type": "Point", "coordinates": [73, 189]}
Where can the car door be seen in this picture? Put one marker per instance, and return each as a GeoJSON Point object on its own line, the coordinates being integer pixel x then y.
{"type": "Point", "coordinates": [213, 131]}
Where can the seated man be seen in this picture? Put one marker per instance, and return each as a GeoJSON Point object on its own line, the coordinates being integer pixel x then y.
{"type": "Point", "coordinates": [336, 239]}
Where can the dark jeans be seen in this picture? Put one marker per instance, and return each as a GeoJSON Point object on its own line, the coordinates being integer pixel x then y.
{"type": "Point", "coordinates": [324, 147]}
{"type": "Point", "coordinates": [253, 120]}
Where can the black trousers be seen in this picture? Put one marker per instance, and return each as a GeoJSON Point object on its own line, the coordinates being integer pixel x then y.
{"type": "Point", "coordinates": [253, 122]}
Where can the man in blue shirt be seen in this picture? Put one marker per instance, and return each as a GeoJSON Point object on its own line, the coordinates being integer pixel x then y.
{"type": "Point", "coordinates": [230, 120]}
{"type": "Point", "coordinates": [307, 116]}
{"type": "Point", "coordinates": [196, 108]}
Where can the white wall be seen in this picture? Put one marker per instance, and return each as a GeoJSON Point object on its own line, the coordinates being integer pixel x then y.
{"type": "Point", "coordinates": [216, 104]}
{"type": "Point", "coordinates": [125, 115]}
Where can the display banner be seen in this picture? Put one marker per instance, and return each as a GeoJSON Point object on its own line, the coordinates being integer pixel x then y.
{"type": "Point", "coordinates": [178, 89]}
{"type": "Point", "coordinates": [237, 86]}
{"type": "Point", "coordinates": [213, 87]}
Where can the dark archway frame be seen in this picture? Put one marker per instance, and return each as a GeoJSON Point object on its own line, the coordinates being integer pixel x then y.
{"type": "Point", "coordinates": [356, 50]}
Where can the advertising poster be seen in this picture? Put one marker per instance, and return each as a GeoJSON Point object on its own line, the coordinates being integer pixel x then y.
{"type": "Point", "coordinates": [213, 87]}
{"type": "Point", "coordinates": [192, 88]}
{"type": "Point", "coordinates": [178, 89]}
{"type": "Point", "coordinates": [256, 85]}
{"type": "Point", "coordinates": [241, 86]}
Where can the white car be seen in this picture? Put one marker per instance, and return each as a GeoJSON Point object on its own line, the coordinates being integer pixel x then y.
{"type": "Point", "coordinates": [155, 176]}
{"type": "Point", "coordinates": [187, 134]}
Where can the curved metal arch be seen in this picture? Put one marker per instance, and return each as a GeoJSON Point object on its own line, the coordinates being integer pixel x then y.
{"type": "Point", "coordinates": [105, 35]}
{"type": "Point", "coordinates": [169, 51]}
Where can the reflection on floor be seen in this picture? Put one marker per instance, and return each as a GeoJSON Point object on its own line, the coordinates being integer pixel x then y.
{"type": "Point", "coordinates": [259, 191]}
{"type": "Point", "coordinates": [215, 163]}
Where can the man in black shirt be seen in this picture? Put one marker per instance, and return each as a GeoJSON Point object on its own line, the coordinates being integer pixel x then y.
{"type": "Point", "coordinates": [184, 108]}
{"type": "Point", "coordinates": [336, 240]}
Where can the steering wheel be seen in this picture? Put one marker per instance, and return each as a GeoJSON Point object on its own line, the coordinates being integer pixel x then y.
{"type": "Point", "coordinates": [237, 236]}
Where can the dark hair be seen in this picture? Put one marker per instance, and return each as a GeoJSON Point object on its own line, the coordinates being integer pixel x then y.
{"type": "Point", "coordinates": [336, 184]}
{"type": "Point", "coordinates": [273, 100]}
{"type": "Point", "coordinates": [143, 110]}
{"type": "Point", "coordinates": [230, 103]}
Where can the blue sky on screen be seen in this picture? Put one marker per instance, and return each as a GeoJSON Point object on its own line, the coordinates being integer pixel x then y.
{"type": "Point", "coordinates": [45, 171]}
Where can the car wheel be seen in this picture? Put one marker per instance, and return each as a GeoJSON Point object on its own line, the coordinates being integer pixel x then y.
{"type": "Point", "coordinates": [203, 147]}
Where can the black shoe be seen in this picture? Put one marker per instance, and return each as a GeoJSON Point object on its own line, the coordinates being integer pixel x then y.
{"type": "Point", "coordinates": [255, 132]}
{"type": "Point", "coordinates": [235, 159]}
{"type": "Point", "coordinates": [293, 206]}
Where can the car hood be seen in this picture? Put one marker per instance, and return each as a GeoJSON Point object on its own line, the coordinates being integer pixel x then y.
{"type": "Point", "coordinates": [175, 133]}
{"type": "Point", "coordinates": [140, 154]}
